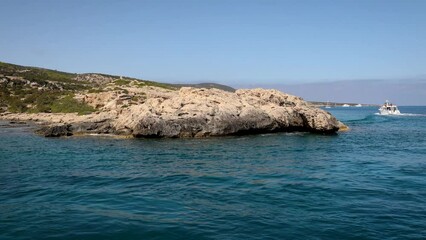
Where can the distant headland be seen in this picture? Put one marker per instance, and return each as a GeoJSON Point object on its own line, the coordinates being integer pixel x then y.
{"type": "Point", "coordinates": [65, 104]}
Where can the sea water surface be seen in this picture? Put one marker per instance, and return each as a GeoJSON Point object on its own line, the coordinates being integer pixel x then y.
{"type": "Point", "coordinates": [368, 183]}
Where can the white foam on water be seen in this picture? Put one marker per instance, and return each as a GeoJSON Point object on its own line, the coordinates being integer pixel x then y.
{"type": "Point", "coordinates": [413, 114]}
{"type": "Point", "coordinates": [402, 114]}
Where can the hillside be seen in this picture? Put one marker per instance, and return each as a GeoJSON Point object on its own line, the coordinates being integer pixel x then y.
{"type": "Point", "coordinates": [34, 90]}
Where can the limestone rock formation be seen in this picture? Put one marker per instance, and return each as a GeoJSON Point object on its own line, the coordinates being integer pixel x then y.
{"type": "Point", "coordinates": [201, 112]}
{"type": "Point", "coordinates": [190, 112]}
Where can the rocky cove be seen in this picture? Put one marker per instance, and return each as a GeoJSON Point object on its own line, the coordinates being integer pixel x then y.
{"type": "Point", "coordinates": [188, 112]}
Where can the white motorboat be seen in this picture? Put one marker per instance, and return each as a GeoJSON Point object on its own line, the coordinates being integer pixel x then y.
{"type": "Point", "coordinates": [358, 105]}
{"type": "Point", "coordinates": [345, 105]}
{"type": "Point", "coordinates": [389, 109]}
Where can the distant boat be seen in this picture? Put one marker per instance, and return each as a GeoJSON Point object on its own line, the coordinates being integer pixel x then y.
{"type": "Point", "coordinates": [358, 105]}
{"type": "Point", "coordinates": [389, 109]}
{"type": "Point", "coordinates": [345, 105]}
{"type": "Point", "coordinates": [328, 105]}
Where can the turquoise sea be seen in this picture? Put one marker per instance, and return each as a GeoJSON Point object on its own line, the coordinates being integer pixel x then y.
{"type": "Point", "coordinates": [368, 183]}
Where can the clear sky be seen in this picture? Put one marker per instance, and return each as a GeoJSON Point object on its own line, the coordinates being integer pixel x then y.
{"type": "Point", "coordinates": [235, 42]}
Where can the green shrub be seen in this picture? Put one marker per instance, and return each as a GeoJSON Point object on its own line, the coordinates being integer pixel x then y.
{"type": "Point", "coordinates": [68, 104]}
{"type": "Point", "coordinates": [16, 105]}
{"type": "Point", "coordinates": [140, 85]}
{"type": "Point", "coordinates": [121, 82]}
{"type": "Point", "coordinates": [93, 90]}
{"type": "Point", "coordinates": [42, 101]}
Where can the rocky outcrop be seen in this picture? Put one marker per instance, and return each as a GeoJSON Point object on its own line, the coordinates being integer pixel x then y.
{"type": "Point", "coordinates": [193, 112]}
{"type": "Point", "coordinates": [59, 130]}
{"type": "Point", "coordinates": [202, 112]}
{"type": "Point", "coordinates": [56, 131]}
{"type": "Point", "coordinates": [94, 78]}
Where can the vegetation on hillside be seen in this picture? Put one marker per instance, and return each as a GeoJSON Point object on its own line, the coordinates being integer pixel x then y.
{"type": "Point", "coordinates": [34, 90]}
{"type": "Point", "coordinates": [144, 83]}
{"type": "Point", "coordinates": [68, 104]}
{"type": "Point", "coordinates": [20, 100]}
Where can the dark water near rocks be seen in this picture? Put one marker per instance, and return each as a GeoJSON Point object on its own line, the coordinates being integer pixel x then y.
{"type": "Point", "coordinates": [369, 183]}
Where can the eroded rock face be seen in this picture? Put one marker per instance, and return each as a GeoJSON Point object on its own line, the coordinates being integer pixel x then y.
{"type": "Point", "coordinates": [202, 112]}
{"type": "Point", "coordinates": [195, 112]}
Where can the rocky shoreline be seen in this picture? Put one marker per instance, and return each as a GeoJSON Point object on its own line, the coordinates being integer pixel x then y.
{"type": "Point", "coordinates": [186, 113]}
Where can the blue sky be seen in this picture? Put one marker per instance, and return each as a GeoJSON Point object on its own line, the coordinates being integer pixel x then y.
{"type": "Point", "coordinates": [235, 42]}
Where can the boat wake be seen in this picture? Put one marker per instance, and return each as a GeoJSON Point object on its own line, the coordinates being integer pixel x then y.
{"type": "Point", "coordinates": [413, 114]}
{"type": "Point", "coordinates": [402, 114]}
{"type": "Point", "coordinates": [371, 118]}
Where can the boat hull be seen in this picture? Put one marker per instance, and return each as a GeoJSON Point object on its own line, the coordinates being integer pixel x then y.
{"type": "Point", "coordinates": [389, 112]}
